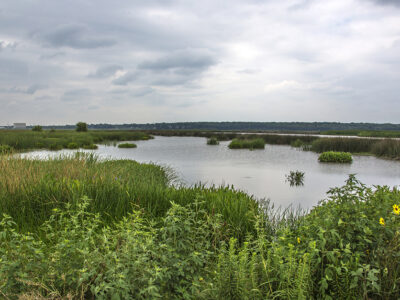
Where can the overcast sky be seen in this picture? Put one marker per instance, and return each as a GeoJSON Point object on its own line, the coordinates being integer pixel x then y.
{"type": "Point", "coordinates": [178, 60]}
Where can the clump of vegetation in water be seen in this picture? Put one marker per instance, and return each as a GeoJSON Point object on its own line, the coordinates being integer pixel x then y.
{"type": "Point", "coordinates": [247, 144]}
{"type": "Point", "coordinates": [295, 178]}
{"type": "Point", "coordinates": [335, 157]}
{"type": "Point", "coordinates": [127, 145]}
{"type": "Point", "coordinates": [212, 141]}
{"type": "Point", "coordinates": [90, 147]}
{"type": "Point", "coordinates": [118, 230]}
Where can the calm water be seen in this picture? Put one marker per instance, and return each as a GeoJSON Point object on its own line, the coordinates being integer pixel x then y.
{"type": "Point", "coordinates": [260, 172]}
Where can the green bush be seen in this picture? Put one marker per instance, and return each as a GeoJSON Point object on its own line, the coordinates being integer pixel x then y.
{"type": "Point", "coordinates": [81, 127]}
{"type": "Point", "coordinates": [247, 144]}
{"type": "Point", "coordinates": [37, 128]}
{"type": "Point", "coordinates": [127, 145]}
{"type": "Point", "coordinates": [336, 157]}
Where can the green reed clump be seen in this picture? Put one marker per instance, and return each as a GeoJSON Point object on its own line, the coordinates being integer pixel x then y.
{"type": "Point", "coordinates": [352, 145]}
{"type": "Point", "coordinates": [72, 145]}
{"type": "Point", "coordinates": [247, 144]}
{"type": "Point", "coordinates": [335, 157]}
{"type": "Point", "coordinates": [127, 145]}
{"type": "Point", "coordinates": [295, 178]}
{"type": "Point", "coordinates": [90, 147]}
{"type": "Point", "coordinates": [212, 141]}
{"type": "Point", "coordinates": [386, 148]}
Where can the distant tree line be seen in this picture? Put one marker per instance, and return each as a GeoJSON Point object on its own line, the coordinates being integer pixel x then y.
{"type": "Point", "coordinates": [241, 126]}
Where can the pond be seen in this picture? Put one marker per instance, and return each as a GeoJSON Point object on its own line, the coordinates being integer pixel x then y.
{"type": "Point", "coordinates": [259, 172]}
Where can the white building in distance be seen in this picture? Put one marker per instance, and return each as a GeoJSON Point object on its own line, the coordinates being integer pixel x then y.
{"type": "Point", "coordinates": [19, 125]}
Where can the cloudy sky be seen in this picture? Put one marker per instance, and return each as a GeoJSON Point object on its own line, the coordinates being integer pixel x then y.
{"type": "Point", "coordinates": [178, 60]}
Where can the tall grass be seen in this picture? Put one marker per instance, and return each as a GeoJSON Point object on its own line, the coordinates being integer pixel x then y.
{"type": "Point", "coordinates": [53, 140]}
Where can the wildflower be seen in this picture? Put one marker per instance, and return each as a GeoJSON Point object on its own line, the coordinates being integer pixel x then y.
{"type": "Point", "coordinates": [396, 209]}
{"type": "Point", "coordinates": [382, 221]}
{"type": "Point", "coordinates": [201, 278]}
{"type": "Point", "coordinates": [298, 240]}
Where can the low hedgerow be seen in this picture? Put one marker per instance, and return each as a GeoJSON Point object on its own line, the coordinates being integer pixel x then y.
{"type": "Point", "coordinates": [335, 157]}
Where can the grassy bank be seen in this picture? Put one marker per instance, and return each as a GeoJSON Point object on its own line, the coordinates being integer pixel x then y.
{"type": "Point", "coordinates": [365, 133]}
{"type": "Point", "coordinates": [118, 230]}
{"type": "Point", "coordinates": [56, 140]}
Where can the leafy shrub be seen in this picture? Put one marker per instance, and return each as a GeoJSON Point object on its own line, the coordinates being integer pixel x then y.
{"type": "Point", "coordinates": [247, 144]}
{"type": "Point", "coordinates": [37, 128]}
{"type": "Point", "coordinates": [336, 157]}
{"type": "Point", "coordinates": [127, 145]}
{"type": "Point", "coordinates": [81, 127]}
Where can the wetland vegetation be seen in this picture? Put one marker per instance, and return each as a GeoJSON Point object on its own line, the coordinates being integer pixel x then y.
{"type": "Point", "coordinates": [22, 140]}
{"type": "Point", "coordinates": [335, 157]}
{"type": "Point", "coordinates": [75, 227]}
{"type": "Point", "coordinates": [127, 145]}
{"type": "Point", "coordinates": [251, 144]}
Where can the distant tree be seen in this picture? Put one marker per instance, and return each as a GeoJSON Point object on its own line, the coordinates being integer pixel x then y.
{"type": "Point", "coordinates": [81, 126]}
{"type": "Point", "coordinates": [37, 128]}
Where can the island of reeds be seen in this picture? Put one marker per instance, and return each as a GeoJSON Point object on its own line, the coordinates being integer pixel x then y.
{"type": "Point", "coordinates": [127, 145]}
{"type": "Point", "coordinates": [257, 143]}
{"type": "Point", "coordinates": [335, 157]}
{"type": "Point", "coordinates": [79, 228]}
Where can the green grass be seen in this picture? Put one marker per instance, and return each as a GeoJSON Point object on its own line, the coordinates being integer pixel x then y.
{"type": "Point", "coordinates": [127, 145]}
{"type": "Point", "coordinates": [365, 133]}
{"type": "Point", "coordinates": [251, 144]}
{"type": "Point", "coordinates": [22, 140]}
{"type": "Point", "coordinates": [79, 228]}
{"type": "Point", "coordinates": [335, 157]}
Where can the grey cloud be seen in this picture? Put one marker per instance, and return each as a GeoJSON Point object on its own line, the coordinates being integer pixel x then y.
{"type": "Point", "coordinates": [181, 60]}
{"type": "Point", "coordinates": [73, 35]}
{"type": "Point", "coordinates": [105, 71]}
{"type": "Point", "coordinates": [143, 91]}
{"type": "Point", "coordinates": [387, 2]}
{"type": "Point", "coordinates": [76, 95]}
{"type": "Point", "coordinates": [51, 56]}
{"type": "Point", "coordinates": [125, 79]}
{"type": "Point", "coordinates": [28, 90]}
{"type": "Point", "coordinates": [7, 45]}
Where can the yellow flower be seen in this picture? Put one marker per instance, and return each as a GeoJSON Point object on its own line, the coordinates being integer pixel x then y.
{"type": "Point", "coordinates": [298, 240]}
{"type": "Point", "coordinates": [382, 221]}
{"type": "Point", "coordinates": [396, 209]}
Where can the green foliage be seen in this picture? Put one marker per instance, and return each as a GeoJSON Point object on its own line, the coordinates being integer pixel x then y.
{"type": "Point", "coordinates": [37, 128]}
{"type": "Point", "coordinates": [247, 144]}
{"type": "Point", "coordinates": [127, 145]}
{"type": "Point", "coordinates": [79, 228]}
{"type": "Point", "coordinates": [335, 157]}
{"type": "Point", "coordinates": [81, 127]}
{"type": "Point", "coordinates": [295, 178]}
{"type": "Point", "coordinates": [212, 141]}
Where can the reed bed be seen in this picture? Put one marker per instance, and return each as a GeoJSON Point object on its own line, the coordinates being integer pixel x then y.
{"type": "Point", "coordinates": [251, 144]}
{"type": "Point", "coordinates": [56, 140]}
